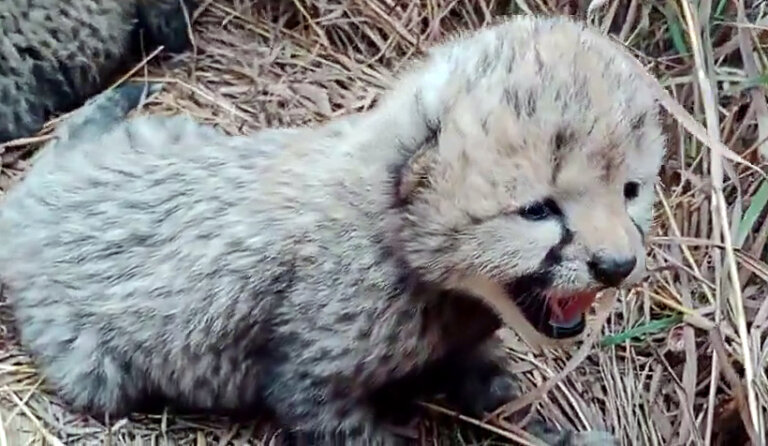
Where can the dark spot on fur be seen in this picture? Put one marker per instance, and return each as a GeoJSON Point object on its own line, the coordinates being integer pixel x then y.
{"type": "Point", "coordinates": [559, 97]}
{"type": "Point", "coordinates": [562, 138]}
{"type": "Point", "coordinates": [592, 127]}
{"type": "Point", "coordinates": [484, 124]}
{"type": "Point", "coordinates": [52, 80]}
{"type": "Point", "coordinates": [610, 158]}
{"type": "Point", "coordinates": [469, 84]}
{"type": "Point", "coordinates": [511, 62]}
{"type": "Point", "coordinates": [511, 100]}
{"type": "Point", "coordinates": [434, 128]}
{"type": "Point", "coordinates": [561, 141]}
{"type": "Point", "coordinates": [530, 104]}
{"type": "Point", "coordinates": [91, 29]}
{"type": "Point", "coordinates": [525, 106]}
{"type": "Point", "coordinates": [638, 122]}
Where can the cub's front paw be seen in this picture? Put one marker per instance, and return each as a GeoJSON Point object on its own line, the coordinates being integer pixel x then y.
{"type": "Point", "coordinates": [303, 438]}
{"type": "Point", "coordinates": [483, 388]}
{"type": "Point", "coordinates": [565, 437]}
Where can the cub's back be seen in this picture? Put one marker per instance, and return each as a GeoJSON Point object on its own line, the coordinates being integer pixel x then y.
{"type": "Point", "coordinates": [152, 224]}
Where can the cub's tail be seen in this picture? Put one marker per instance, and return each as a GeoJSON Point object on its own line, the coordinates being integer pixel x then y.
{"type": "Point", "coordinates": [105, 110]}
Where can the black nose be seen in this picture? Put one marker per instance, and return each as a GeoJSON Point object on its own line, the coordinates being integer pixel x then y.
{"type": "Point", "coordinates": [611, 271]}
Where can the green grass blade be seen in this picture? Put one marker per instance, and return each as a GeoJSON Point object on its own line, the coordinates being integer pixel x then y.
{"type": "Point", "coordinates": [753, 212]}
{"type": "Point", "coordinates": [720, 8]}
{"type": "Point", "coordinates": [652, 327]}
{"type": "Point", "coordinates": [675, 30]}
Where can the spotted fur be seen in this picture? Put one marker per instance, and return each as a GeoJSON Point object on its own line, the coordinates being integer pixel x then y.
{"type": "Point", "coordinates": [324, 273]}
{"type": "Point", "coordinates": [56, 53]}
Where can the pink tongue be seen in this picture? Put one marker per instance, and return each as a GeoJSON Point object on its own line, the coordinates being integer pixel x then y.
{"type": "Point", "coordinates": [567, 309]}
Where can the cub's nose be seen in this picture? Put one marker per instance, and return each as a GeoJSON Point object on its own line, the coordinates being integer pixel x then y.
{"type": "Point", "coordinates": [611, 271]}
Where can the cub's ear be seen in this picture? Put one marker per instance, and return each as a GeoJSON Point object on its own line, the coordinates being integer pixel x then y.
{"type": "Point", "coordinates": [414, 175]}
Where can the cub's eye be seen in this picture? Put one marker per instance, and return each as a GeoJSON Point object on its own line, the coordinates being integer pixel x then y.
{"type": "Point", "coordinates": [539, 210]}
{"type": "Point", "coordinates": [631, 190]}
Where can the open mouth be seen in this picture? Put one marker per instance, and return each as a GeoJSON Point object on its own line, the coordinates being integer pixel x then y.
{"type": "Point", "coordinates": [559, 316]}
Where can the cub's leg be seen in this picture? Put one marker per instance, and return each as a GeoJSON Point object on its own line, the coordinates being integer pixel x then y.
{"type": "Point", "coordinates": [479, 381]}
{"type": "Point", "coordinates": [558, 437]}
{"type": "Point", "coordinates": [89, 378]}
{"type": "Point", "coordinates": [475, 382]}
{"type": "Point", "coordinates": [311, 422]}
{"type": "Point", "coordinates": [316, 411]}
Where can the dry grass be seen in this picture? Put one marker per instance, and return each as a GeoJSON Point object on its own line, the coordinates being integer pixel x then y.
{"type": "Point", "coordinates": [681, 360]}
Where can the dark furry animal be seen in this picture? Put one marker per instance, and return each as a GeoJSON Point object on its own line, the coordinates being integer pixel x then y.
{"type": "Point", "coordinates": [54, 54]}
{"type": "Point", "coordinates": [324, 272]}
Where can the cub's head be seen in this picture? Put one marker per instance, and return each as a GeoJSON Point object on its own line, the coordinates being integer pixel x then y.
{"type": "Point", "coordinates": [538, 174]}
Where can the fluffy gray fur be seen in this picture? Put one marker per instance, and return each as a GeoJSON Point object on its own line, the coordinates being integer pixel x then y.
{"type": "Point", "coordinates": [54, 54]}
{"type": "Point", "coordinates": [312, 271]}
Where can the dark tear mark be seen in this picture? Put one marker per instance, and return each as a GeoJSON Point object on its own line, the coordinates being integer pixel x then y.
{"type": "Point", "coordinates": [555, 253]}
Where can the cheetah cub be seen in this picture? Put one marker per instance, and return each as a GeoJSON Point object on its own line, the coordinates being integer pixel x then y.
{"type": "Point", "coordinates": [326, 274]}
{"type": "Point", "coordinates": [54, 54]}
